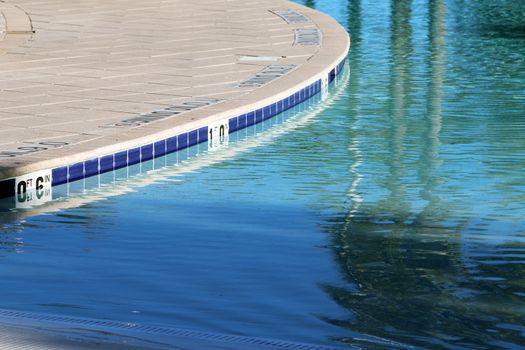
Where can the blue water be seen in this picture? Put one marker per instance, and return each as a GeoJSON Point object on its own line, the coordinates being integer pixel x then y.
{"type": "Point", "coordinates": [393, 218]}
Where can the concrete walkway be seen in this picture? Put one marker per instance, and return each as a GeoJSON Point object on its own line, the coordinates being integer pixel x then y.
{"type": "Point", "coordinates": [87, 78]}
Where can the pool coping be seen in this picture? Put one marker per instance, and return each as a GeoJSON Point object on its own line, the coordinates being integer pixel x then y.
{"type": "Point", "coordinates": [162, 137]}
{"type": "Point", "coordinates": [129, 180]}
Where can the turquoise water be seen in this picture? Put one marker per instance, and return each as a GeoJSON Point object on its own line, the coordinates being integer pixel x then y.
{"type": "Point", "coordinates": [394, 218]}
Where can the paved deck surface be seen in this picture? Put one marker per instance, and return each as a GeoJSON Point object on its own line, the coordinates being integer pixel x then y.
{"type": "Point", "coordinates": [74, 73]}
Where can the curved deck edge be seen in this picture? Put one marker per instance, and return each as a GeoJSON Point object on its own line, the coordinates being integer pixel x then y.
{"type": "Point", "coordinates": [199, 126]}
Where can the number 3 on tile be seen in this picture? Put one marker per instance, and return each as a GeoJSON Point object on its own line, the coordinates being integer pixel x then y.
{"type": "Point", "coordinates": [218, 134]}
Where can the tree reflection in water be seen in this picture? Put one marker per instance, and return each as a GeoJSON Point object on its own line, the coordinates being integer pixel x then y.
{"type": "Point", "coordinates": [434, 276]}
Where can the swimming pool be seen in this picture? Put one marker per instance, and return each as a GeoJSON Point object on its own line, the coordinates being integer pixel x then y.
{"type": "Point", "coordinates": [392, 218]}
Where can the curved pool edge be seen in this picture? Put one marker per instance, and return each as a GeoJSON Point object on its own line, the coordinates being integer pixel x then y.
{"type": "Point", "coordinates": [162, 138]}
{"type": "Point", "coordinates": [64, 197]}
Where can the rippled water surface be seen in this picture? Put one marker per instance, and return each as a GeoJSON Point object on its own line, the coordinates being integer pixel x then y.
{"type": "Point", "coordinates": [394, 218]}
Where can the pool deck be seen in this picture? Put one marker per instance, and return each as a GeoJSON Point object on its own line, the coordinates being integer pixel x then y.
{"type": "Point", "coordinates": [88, 80]}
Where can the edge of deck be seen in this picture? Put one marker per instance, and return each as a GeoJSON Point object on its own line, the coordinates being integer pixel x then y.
{"type": "Point", "coordinates": [194, 127]}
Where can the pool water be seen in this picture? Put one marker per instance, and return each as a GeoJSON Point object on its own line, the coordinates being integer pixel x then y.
{"type": "Point", "coordinates": [393, 218]}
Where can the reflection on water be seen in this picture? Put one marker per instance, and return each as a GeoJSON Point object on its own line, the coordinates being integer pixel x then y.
{"type": "Point", "coordinates": [396, 218]}
{"type": "Point", "coordinates": [432, 244]}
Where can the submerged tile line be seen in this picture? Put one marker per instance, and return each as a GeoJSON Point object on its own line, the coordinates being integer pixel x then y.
{"type": "Point", "coordinates": [138, 330]}
{"type": "Point", "coordinates": [42, 180]}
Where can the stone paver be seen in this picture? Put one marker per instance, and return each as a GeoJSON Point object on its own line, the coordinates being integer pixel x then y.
{"type": "Point", "coordinates": [72, 69]}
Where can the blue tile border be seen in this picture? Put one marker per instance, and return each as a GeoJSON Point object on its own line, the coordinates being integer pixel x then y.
{"type": "Point", "coordinates": [171, 145]}
{"type": "Point", "coordinates": [121, 160]}
{"type": "Point", "coordinates": [91, 167]}
{"type": "Point", "coordinates": [193, 138]}
{"type": "Point", "coordinates": [107, 163]}
{"type": "Point", "coordinates": [76, 172]}
{"type": "Point", "coordinates": [133, 156]}
{"type": "Point", "coordinates": [159, 148]}
{"type": "Point", "coordinates": [118, 160]}
{"type": "Point", "coordinates": [182, 141]}
{"type": "Point", "coordinates": [203, 134]}
{"type": "Point", "coordinates": [59, 176]}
